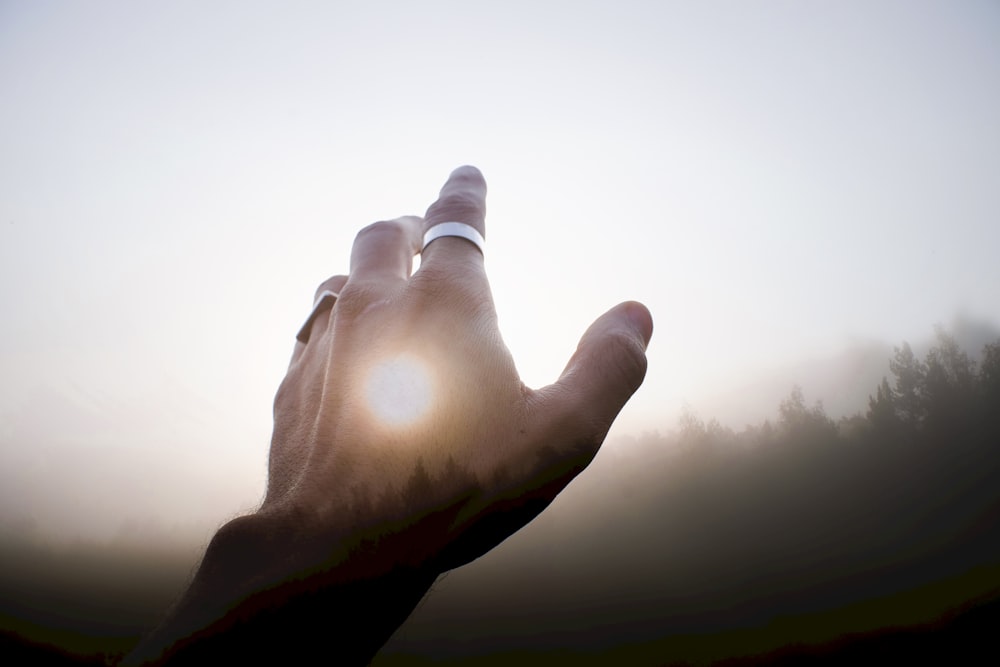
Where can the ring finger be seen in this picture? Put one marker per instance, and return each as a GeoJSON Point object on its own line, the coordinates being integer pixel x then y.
{"type": "Point", "coordinates": [319, 317]}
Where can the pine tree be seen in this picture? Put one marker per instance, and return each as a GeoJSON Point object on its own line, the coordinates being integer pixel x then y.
{"type": "Point", "coordinates": [882, 408]}
{"type": "Point", "coordinates": [908, 395]}
{"type": "Point", "coordinates": [948, 391]}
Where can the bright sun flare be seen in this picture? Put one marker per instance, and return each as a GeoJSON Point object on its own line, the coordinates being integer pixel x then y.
{"type": "Point", "coordinates": [399, 390]}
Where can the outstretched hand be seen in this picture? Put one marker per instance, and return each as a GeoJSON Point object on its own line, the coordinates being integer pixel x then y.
{"type": "Point", "coordinates": [404, 445]}
{"type": "Point", "coordinates": [497, 452]}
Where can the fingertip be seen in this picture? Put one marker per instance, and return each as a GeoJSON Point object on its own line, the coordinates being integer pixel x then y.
{"type": "Point", "coordinates": [612, 353]}
{"type": "Point", "coordinates": [609, 365]}
{"type": "Point", "coordinates": [385, 249]}
{"type": "Point", "coordinates": [465, 181]}
{"type": "Point", "coordinates": [641, 320]}
{"type": "Point", "coordinates": [467, 171]}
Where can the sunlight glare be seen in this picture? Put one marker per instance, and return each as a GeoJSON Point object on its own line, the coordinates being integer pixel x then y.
{"type": "Point", "coordinates": [399, 390]}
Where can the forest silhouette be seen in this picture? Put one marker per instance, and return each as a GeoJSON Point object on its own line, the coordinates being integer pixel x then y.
{"type": "Point", "coordinates": [797, 539]}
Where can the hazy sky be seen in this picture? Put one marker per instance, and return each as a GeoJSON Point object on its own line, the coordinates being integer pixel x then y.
{"type": "Point", "coordinates": [772, 179]}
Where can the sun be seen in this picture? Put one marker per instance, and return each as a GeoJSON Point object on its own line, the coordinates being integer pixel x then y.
{"type": "Point", "coordinates": [399, 391]}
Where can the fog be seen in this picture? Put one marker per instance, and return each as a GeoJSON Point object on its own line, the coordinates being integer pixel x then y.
{"type": "Point", "coordinates": [702, 544]}
{"type": "Point", "coordinates": [793, 190]}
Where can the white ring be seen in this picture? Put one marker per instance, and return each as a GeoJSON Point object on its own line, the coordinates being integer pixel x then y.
{"type": "Point", "coordinates": [460, 229]}
{"type": "Point", "coordinates": [324, 301]}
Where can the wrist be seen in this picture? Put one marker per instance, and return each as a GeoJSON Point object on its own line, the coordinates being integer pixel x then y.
{"type": "Point", "coordinates": [269, 585]}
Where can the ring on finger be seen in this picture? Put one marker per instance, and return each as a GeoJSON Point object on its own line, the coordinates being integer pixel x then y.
{"type": "Point", "coordinates": [324, 302]}
{"type": "Point", "coordinates": [459, 229]}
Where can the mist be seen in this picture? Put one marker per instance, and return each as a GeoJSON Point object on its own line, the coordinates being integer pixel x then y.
{"type": "Point", "coordinates": [698, 544]}
{"type": "Point", "coordinates": [793, 190]}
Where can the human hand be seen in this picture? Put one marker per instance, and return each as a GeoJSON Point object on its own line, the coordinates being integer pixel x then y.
{"type": "Point", "coordinates": [404, 407]}
{"type": "Point", "coordinates": [404, 445]}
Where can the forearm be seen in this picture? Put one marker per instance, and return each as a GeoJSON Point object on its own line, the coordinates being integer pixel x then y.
{"type": "Point", "coordinates": [264, 593]}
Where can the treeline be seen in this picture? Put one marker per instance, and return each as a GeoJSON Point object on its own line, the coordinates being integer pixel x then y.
{"type": "Point", "coordinates": [707, 532]}
{"type": "Point", "coordinates": [866, 505]}
{"type": "Point", "coordinates": [946, 396]}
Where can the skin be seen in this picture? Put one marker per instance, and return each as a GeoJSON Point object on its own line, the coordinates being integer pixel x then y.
{"type": "Point", "coordinates": [362, 514]}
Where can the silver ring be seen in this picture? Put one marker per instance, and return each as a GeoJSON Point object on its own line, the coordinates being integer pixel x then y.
{"type": "Point", "coordinates": [324, 302]}
{"type": "Point", "coordinates": [459, 229]}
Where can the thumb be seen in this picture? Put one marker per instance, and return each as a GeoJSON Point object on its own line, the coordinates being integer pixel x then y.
{"type": "Point", "coordinates": [608, 366]}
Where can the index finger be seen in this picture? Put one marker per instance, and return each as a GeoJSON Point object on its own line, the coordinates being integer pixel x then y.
{"type": "Point", "coordinates": [462, 200]}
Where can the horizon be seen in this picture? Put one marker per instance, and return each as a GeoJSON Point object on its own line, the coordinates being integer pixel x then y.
{"type": "Point", "coordinates": [32, 510]}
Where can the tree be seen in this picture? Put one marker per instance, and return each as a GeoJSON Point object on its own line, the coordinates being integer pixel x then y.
{"type": "Point", "coordinates": [691, 428]}
{"type": "Point", "coordinates": [949, 385]}
{"type": "Point", "coordinates": [908, 396]}
{"type": "Point", "coordinates": [989, 389]}
{"type": "Point", "coordinates": [989, 373]}
{"type": "Point", "coordinates": [882, 409]}
{"type": "Point", "coordinates": [803, 423]}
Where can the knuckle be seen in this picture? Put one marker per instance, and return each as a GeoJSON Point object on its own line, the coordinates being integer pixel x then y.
{"type": "Point", "coordinates": [355, 298]}
{"type": "Point", "coordinates": [430, 283]}
{"type": "Point", "coordinates": [333, 284]}
{"type": "Point", "coordinates": [437, 286]}
{"type": "Point", "coordinates": [389, 230]}
{"type": "Point", "coordinates": [460, 206]}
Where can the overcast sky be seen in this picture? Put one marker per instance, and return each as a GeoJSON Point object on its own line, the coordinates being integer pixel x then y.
{"type": "Point", "coordinates": [773, 179]}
